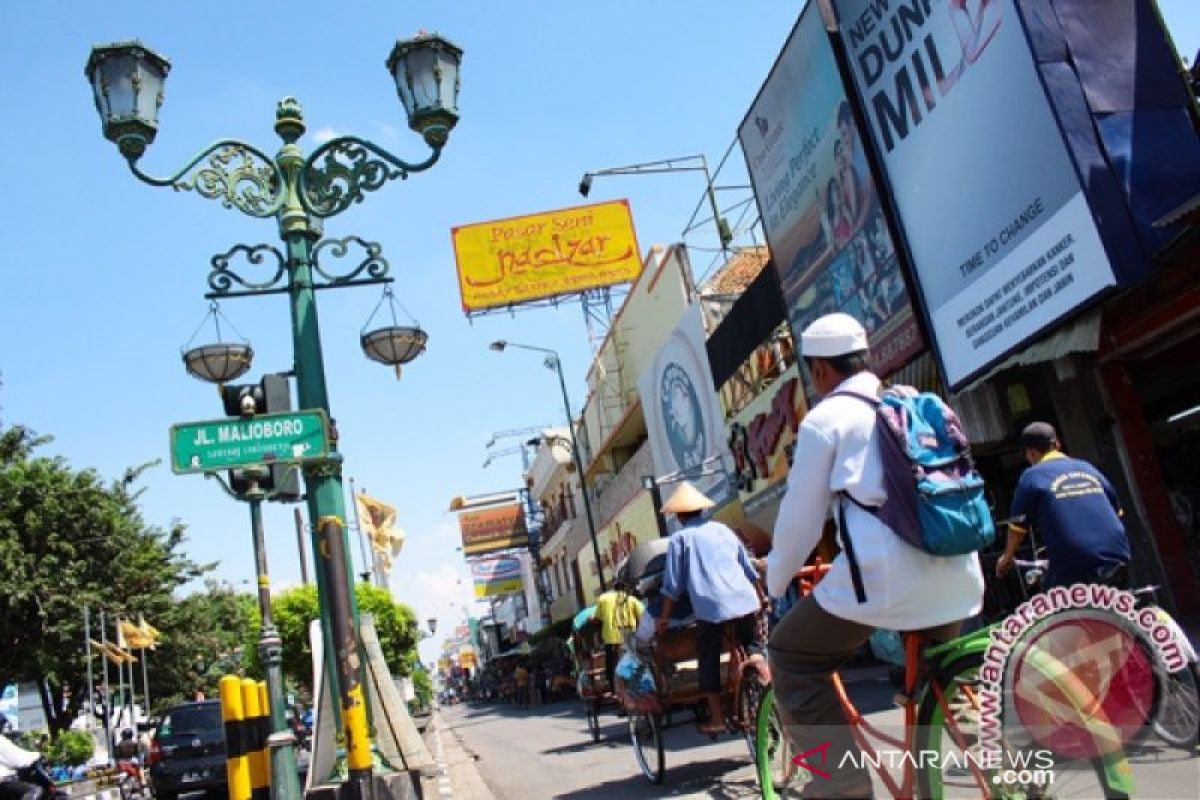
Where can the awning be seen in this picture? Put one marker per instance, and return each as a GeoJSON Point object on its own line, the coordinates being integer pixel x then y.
{"type": "Point", "coordinates": [977, 403]}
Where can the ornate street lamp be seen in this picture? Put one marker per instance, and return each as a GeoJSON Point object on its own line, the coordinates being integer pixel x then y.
{"type": "Point", "coordinates": [295, 191]}
{"type": "Point", "coordinates": [432, 622]}
{"type": "Point", "coordinates": [127, 83]}
{"type": "Point", "coordinates": [425, 70]}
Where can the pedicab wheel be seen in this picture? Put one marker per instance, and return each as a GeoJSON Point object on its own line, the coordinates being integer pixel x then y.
{"type": "Point", "coordinates": [593, 718]}
{"type": "Point", "coordinates": [646, 737]}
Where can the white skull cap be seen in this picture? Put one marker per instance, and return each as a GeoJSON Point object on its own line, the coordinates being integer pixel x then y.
{"type": "Point", "coordinates": [833, 335]}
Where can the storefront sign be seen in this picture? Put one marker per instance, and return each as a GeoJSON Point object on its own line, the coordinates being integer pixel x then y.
{"type": "Point", "coordinates": [819, 206]}
{"type": "Point", "coordinates": [493, 529]}
{"type": "Point", "coordinates": [511, 261]}
{"type": "Point", "coordinates": [496, 576]}
{"type": "Point", "coordinates": [762, 434]}
{"type": "Point", "coordinates": [684, 421]}
{"type": "Point", "coordinates": [1002, 237]}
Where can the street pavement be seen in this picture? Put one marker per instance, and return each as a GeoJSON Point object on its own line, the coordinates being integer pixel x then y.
{"type": "Point", "coordinates": [499, 751]}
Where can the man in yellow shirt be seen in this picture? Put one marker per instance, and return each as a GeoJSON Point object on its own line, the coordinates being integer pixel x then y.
{"type": "Point", "coordinates": [618, 612]}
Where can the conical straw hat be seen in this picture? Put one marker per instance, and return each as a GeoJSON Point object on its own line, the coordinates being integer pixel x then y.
{"type": "Point", "coordinates": [686, 498]}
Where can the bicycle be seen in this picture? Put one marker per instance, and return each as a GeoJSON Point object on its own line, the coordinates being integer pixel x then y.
{"type": "Point", "coordinates": [1175, 714]}
{"type": "Point", "coordinates": [942, 705]}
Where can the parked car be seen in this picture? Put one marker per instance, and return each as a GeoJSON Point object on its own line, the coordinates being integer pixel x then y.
{"type": "Point", "coordinates": [187, 753]}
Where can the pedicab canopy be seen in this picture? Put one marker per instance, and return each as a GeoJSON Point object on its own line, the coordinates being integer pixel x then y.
{"type": "Point", "coordinates": [645, 559]}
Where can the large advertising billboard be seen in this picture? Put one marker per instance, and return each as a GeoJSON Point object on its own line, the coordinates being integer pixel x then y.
{"type": "Point", "coordinates": [516, 260]}
{"type": "Point", "coordinates": [819, 206]}
{"type": "Point", "coordinates": [490, 529]}
{"type": "Point", "coordinates": [684, 420]}
{"type": "Point", "coordinates": [1002, 239]}
{"type": "Point", "coordinates": [496, 575]}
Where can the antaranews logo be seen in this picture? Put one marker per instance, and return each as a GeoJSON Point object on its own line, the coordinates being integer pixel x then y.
{"type": "Point", "coordinates": [1073, 671]}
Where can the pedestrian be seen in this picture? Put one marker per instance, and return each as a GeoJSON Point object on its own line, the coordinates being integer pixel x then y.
{"type": "Point", "coordinates": [521, 676]}
{"type": "Point", "coordinates": [617, 611]}
{"type": "Point", "coordinates": [1072, 509]}
{"type": "Point", "coordinates": [837, 454]}
{"type": "Point", "coordinates": [707, 561]}
{"type": "Point", "coordinates": [13, 759]}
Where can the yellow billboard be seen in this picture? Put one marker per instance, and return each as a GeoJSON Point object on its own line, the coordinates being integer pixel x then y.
{"type": "Point", "coordinates": [516, 260]}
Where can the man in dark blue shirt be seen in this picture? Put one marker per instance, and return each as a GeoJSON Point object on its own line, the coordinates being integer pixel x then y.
{"type": "Point", "coordinates": [1074, 511]}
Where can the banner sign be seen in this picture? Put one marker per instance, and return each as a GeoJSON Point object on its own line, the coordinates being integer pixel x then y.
{"type": "Point", "coordinates": [492, 529]}
{"type": "Point", "coordinates": [516, 260]}
{"type": "Point", "coordinates": [684, 420]}
{"type": "Point", "coordinates": [1002, 238]}
{"type": "Point", "coordinates": [762, 435]}
{"type": "Point", "coordinates": [496, 576]}
{"type": "Point", "coordinates": [819, 205]}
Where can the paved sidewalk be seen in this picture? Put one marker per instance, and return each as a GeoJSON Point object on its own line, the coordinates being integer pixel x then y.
{"type": "Point", "coordinates": [457, 777]}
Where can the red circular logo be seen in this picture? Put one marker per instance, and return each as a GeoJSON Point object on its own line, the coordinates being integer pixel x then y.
{"type": "Point", "coordinates": [1082, 685]}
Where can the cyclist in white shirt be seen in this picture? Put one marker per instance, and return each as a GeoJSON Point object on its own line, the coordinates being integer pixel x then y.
{"type": "Point", "coordinates": [903, 587]}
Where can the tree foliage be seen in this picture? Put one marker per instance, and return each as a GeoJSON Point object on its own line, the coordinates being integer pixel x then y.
{"type": "Point", "coordinates": [395, 623]}
{"type": "Point", "coordinates": [205, 635]}
{"type": "Point", "coordinates": [68, 540]}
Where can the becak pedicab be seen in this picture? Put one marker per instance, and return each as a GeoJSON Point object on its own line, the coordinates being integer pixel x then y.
{"type": "Point", "coordinates": [659, 674]}
{"type": "Point", "coordinates": [587, 650]}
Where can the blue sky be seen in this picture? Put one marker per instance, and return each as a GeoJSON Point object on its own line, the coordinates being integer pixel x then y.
{"type": "Point", "coordinates": [103, 277]}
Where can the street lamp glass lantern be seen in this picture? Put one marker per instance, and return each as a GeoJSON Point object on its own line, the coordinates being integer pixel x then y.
{"type": "Point", "coordinates": [395, 344]}
{"type": "Point", "coordinates": [425, 70]}
{"type": "Point", "coordinates": [218, 363]}
{"type": "Point", "coordinates": [127, 84]}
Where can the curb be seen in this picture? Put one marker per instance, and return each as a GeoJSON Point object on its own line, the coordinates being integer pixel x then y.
{"type": "Point", "coordinates": [456, 777]}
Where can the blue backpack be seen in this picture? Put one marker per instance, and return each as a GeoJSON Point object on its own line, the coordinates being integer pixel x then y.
{"type": "Point", "coordinates": [935, 499]}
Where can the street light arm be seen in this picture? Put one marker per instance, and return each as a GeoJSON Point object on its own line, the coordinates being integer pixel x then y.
{"type": "Point", "coordinates": [347, 170]}
{"type": "Point", "coordinates": [238, 174]}
{"type": "Point", "coordinates": [662, 165]}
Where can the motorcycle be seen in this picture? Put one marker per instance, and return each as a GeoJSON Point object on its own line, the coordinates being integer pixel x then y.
{"type": "Point", "coordinates": [38, 775]}
{"type": "Point", "coordinates": [131, 782]}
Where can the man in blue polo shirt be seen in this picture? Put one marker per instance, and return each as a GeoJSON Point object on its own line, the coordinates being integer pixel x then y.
{"type": "Point", "coordinates": [1074, 511]}
{"type": "Point", "coordinates": [707, 562]}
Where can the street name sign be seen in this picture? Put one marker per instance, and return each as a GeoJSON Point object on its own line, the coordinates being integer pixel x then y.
{"type": "Point", "coordinates": [295, 436]}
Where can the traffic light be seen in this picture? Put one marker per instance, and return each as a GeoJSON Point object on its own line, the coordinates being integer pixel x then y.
{"type": "Point", "coordinates": [271, 395]}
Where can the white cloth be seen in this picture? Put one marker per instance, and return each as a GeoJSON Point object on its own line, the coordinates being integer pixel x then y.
{"type": "Point", "coordinates": [13, 758]}
{"type": "Point", "coordinates": [906, 588]}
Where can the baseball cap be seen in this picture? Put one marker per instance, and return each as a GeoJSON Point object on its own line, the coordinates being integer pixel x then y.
{"type": "Point", "coordinates": [1040, 435]}
{"type": "Point", "coordinates": [833, 335]}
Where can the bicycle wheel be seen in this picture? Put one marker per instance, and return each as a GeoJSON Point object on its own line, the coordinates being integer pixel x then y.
{"type": "Point", "coordinates": [1177, 715]}
{"type": "Point", "coordinates": [646, 738]}
{"type": "Point", "coordinates": [777, 775]}
{"type": "Point", "coordinates": [593, 718]}
{"type": "Point", "coordinates": [751, 689]}
{"type": "Point", "coordinates": [1026, 772]}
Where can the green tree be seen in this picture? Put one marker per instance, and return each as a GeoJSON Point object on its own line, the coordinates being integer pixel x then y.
{"type": "Point", "coordinates": [205, 635]}
{"type": "Point", "coordinates": [395, 623]}
{"type": "Point", "coordinates": [68, 539]}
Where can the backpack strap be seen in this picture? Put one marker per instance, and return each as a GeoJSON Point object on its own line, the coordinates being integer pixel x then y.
{"type": "Point", "coordinates": [860, 592]}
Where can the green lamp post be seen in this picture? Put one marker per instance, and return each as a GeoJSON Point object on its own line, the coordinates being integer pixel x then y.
{"type": "Point", "coordinates": [127, 80]}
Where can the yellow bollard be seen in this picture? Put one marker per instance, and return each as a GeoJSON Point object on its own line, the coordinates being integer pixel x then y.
{"type": "Point", "coordinates": [232, 713]}
{"type": "Point", "coordinates": [254, 743]}
{"type": "Point", "coordinates": [264, 729]}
